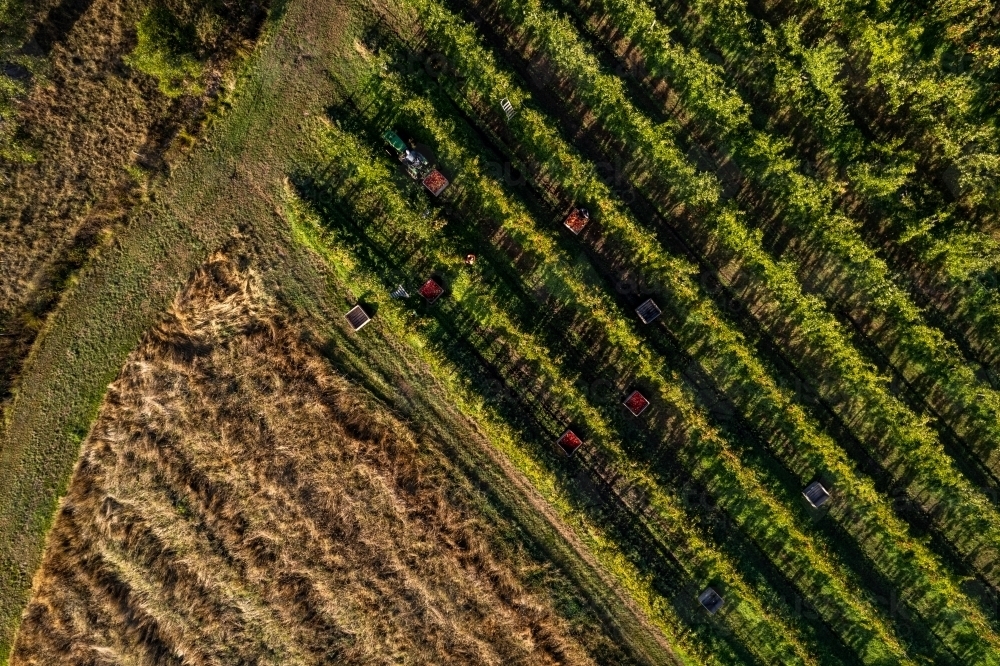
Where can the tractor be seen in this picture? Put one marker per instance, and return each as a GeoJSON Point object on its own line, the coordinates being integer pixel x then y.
{"type": "Point", "coordinates": [416, 164]}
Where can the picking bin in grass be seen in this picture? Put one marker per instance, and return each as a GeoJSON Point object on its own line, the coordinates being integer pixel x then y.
{"type": "Point", "coordinates": [711, 600]}
{"type": "Point", "coordinates": [357, 318]}
{"type": "Point", "coordinates": [816, 494]}
{"type": "Point", "coordinates": [431, 291]}
{"type": "Point", "coordinates": [569, 442]}
{"type": "Point", "coordinates": [636, 403]}
{"type": "Point", "coordinates": [648, 311]}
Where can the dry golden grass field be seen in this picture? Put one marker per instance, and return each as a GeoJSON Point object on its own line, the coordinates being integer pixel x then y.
{"type": "Point", "coordinates": [239, 501]}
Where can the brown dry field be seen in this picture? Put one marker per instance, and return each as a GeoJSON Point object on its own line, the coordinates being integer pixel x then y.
{"type": "Point", "coordinates": [239, 501]}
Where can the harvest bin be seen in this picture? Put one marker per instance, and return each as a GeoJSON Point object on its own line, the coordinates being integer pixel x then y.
{"type": "Point", "coordinates": [431, 290]}
{"type": "Point", "coordinates": [636, 403]}
{"type": "Point", "coordinates": [816, 494]}
{"type": "Point", "coordinates": [435, 182]}
{"type": "Point", "coordinates": [569, 442]}
{"type": "Point", "coordinates": [357, 318]}
{"type": "Point", "coordinates": [577, 220]}
{"type": "Point", "coordinates": [648, 311]}
{"type": "Point", "coordinates": [711, 600]}
{"type": "Point", "coordinates": [507, 107]}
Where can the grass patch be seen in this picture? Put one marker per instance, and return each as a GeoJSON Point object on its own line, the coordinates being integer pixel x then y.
{"type": "Point", "coordinates": [166, 51]}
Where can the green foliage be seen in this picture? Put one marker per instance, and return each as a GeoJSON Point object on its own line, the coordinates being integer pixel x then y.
{"type": "Point", "coordinates": [886, 173]}
{"type": "Point", "coordinates": [809, 206]}
{"type": "Point", "coordinates": [13, 21]}
{"type": "Point", "coordinates": [816, 325]}
{"type": "Point", "coordinates": [942, 109]}
{"type": "Point", "coordinates": [209, 27]}
{"type": "Point", "coordinates": [166, 51]}
{"type": "Point", "coordinates": [764, 402]}
{"type": "Point", "coordinates": [808, 80]}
